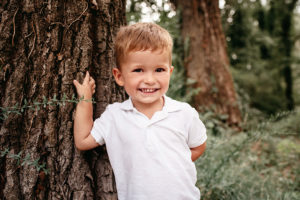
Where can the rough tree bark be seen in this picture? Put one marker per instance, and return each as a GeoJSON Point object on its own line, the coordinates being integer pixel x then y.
{"type": "Point", "coordinates": [208, 62]}
{"type": "Point", "coordinates": [44, 45]}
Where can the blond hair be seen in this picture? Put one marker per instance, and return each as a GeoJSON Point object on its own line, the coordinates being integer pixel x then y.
{"type": "Point", "coordinates": [141, 37]}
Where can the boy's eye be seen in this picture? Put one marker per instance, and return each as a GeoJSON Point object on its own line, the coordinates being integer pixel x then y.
{"type": "Point", "coordinates": [137, 70]}
{"type": "Point", "coordinates": [160, 69]}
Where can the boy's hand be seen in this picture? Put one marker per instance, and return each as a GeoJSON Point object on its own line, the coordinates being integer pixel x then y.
{"type": "Point", "coordinates": [83, 120]}
{"type": "Point", "coordinates": [87, 88]}
{"type": "Point", "coordinates": [198, 151]}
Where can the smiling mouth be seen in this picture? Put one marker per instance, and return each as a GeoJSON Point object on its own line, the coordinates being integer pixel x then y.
{"type": "Point", "coordinates": [148, 90]}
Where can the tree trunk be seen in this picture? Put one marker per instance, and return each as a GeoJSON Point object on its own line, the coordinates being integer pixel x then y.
{"type": "Point", "coordinates": [286, 10]}
{"type": "Point", "coordinates": [207, 62]}
{"type": "Point", "coordinates": [44, 45]}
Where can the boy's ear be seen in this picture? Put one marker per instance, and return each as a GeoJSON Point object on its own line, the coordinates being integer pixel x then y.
{"type": "Point", "coordinates": [118, 76]}
{"type": "Point", "coordinates": [171, 70]}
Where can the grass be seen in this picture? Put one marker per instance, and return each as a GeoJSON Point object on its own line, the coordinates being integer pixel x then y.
{"type": "Point", "coordinates": [262, 162]}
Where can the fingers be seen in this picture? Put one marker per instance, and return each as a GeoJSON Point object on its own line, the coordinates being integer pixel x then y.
{"type": "Point", "coordinates": [93, 84]}
{"type": "Point", "coordinates": [94, 87]}
{"type": "Point", "coordinates": [76, 83]}
{"type": "Point", "coordinates": [88, 84]}
{"type": "Point", "coordinates": [92, 81]}
{"type": "Point", "coordinates": [86, 78]}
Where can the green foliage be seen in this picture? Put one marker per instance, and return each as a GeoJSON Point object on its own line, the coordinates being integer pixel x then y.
{"type": "Point", "coordinates": [133, 11]}
{"type": "Point", "coordinates": [37, 105]}
{"type": "Point", "coordinates": [215, 123]}
{"type": "Point", "coordinates": [260, 42]}
{"type": "Point", "coordinates": [296, 62]}
{"type": "Point", "coordinates": [138, 10]}
{"type": "Point", "coordinates": [178, 87]}
{"type": "Point", "coordinates": [262, 162]}
{"type": "Point", "coordinates": [27, 160]}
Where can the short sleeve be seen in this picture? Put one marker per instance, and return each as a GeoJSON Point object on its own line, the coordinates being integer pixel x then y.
{"type": "Point", "coordinates": [197, 131]}
{"type": "Point", "coordinates": [102, 126]}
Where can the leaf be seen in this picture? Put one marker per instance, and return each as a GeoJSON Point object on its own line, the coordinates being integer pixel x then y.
{"type": "Point", "coordinates": [3, 153]}
{"type": "Point", "coordinates": [210, 125]}
{"type": "Point", "coordinates": [54, 98]}
{"type": "Point", "coordinates": [73, 97]}
{"type": "Point", "coordinates": [46, 171]}
{"type": "Point", "coordinates": [223, 117]}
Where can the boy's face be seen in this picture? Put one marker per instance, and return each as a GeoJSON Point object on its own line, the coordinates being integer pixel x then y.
{"type": "Point", "coordinates": [145, 76]}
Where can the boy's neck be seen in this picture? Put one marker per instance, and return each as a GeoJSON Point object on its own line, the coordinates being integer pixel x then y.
{"type": "Point", "coordinates": [149, 109]}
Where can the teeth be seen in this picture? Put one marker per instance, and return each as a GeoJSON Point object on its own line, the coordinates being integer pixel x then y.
{"type": "Point", "coordinates": [147, 90]}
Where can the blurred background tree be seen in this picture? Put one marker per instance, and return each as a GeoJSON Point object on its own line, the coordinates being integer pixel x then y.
{"type": "Point", "coordinates": [260, 38]}
{"type": "Point", "coordinates": [207, 61]}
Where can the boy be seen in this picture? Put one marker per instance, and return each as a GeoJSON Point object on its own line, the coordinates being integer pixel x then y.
{"type": "Point", "coordinates": [151, 139]}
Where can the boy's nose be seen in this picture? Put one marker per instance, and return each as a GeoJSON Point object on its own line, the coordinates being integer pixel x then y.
{"type": "Point", "coordinates": [149, 79]}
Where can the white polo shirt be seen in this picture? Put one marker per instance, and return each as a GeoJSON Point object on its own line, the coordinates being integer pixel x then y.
{"type": "Point", "coordinates": [151, 158]}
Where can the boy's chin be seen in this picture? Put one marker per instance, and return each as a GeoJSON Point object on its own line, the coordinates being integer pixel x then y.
{"type": "Point", "coordinates": [148, 100]}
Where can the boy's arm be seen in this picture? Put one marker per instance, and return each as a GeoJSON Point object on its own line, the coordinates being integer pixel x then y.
{"type": "Point", "coordinates": [198, 151]}
{"type": "Point", "coordinates": [83, 121]}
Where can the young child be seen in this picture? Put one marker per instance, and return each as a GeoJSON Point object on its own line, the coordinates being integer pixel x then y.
{"type": "Point", "coordinates": [151, 139]}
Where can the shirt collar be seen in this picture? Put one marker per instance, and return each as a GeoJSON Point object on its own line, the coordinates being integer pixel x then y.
{"type": "Point", "coordinates": [127, 105]}
{"type": "Point", "coordinates": [170, 105]}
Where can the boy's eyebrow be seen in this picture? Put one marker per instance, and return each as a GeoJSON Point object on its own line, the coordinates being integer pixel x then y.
{"type": "Point", "coordinates": [138, 65]}
{"type": "Point", "coordinates": [158, 65]}
{"type": "Point", "coordinates": [162, 65]}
